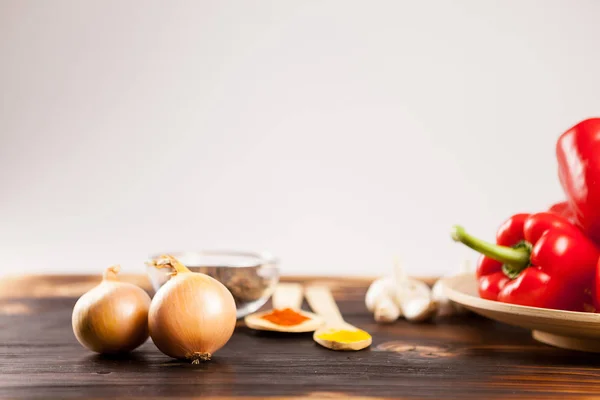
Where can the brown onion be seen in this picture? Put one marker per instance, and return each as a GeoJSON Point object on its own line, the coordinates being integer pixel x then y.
{"type": "Point", "coordinates": [192, 315]}
{"type": "Point", "coordinates": [113, 316]}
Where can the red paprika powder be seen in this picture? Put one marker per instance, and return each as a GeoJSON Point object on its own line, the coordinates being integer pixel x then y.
{"type": "Point", "coordinates": [285, 317]}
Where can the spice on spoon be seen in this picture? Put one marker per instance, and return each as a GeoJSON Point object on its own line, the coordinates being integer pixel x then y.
{"type": "Point", "coordinates": [344, 336]}
{"type": "Point", "coordinates": [285, 317]}
{"type": "Point", "coordinates": [337, 334]}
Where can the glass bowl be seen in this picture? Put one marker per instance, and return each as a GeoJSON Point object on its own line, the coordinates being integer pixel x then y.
{"type": "Point", "coordinates": [250, 277]}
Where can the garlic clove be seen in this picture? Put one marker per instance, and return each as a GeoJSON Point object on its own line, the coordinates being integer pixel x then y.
{"type": "Point", "coordinates": [417, 309]}
{"type": "Point", "coordinates": [386, 310]}
{"type": "Point", "coordinates": [414, 297]}
{"type": "Point", "coordinates": [416, 287]}
{"type": "Point", "coordinates": [411, 288]}
{"type": "Point", "coordinates": [382, 287]}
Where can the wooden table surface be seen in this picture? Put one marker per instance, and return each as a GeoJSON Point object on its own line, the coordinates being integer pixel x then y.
{"type": "Point", "coordinates": [459, 357]}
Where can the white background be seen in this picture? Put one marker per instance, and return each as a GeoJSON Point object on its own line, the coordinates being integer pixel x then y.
{"type": "Point", "coordinates": [335, 134]}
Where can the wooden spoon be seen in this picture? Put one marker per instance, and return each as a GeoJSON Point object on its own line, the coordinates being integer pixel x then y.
{"type": "Point", "coordinates": [322, 302]}
{"type": "Point", "coordinates": [286, 295]}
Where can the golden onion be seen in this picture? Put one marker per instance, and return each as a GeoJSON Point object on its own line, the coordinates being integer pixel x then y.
{"type": "Point", "coordinates": [113, 316]}
{"type": "Point", "coordinates": [192, 315]}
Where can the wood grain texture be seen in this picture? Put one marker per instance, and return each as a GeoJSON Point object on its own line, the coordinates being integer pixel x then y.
{"type": "Point", "coordinates": [465, 357]}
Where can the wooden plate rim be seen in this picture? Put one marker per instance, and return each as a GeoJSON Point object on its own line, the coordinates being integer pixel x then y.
{"type": "Point", "coordinates": [471, 301]}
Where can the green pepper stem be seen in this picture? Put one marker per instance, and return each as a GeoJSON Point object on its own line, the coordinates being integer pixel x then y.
{"type": "Point", "coordinates": [516, 257]}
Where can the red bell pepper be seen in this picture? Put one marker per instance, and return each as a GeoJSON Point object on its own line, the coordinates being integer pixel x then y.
{"type": "Point", "coordinates": [578, 154]}
{"type": "Point", "coordinates": [563, 209]}
{"type": "Point", "coordinates": [539, 260]}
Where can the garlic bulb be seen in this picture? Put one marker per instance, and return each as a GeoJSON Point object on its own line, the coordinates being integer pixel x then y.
{"type": "Point", "coordinates": [392, 297]}
{"type": "Point", "coordinates": [382, 287]}
{"type": "Point", "coordinates": [386, 310]}
{"type": "Point", "coordinates": [192, 315]}
{"type": "Point", "coordinates": [113, 316]}
{"type": "Point", "coordinates": [414, 297]}
{"type": "Point", "coordinates": [415, 300]}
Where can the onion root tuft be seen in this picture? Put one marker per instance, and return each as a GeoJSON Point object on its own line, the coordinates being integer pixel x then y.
{"type": "Point", "coordinates": [197, 357]}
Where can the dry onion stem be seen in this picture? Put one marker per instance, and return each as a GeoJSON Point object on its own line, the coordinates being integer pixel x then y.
{"type": "Point", "coordinates": [113, 316]}
{"type": "Point", "coordinates": [192, 315]}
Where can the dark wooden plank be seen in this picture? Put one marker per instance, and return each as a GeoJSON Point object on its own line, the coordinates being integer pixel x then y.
{"type": "Point", "coordinates": [465, 357]}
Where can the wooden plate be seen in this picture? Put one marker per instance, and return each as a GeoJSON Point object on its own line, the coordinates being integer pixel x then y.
{"type": "Point", "coordinates": [565, 329]}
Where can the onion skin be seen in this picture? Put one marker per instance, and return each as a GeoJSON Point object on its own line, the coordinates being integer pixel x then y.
{"type": "Point", "coordinates": [112, 317]}
{"type": "Point", "coordinates": [191, 316]}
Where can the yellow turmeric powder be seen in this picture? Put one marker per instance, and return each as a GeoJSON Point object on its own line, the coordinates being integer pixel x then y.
{"type": "Point", "coordinates": [344, 336]}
